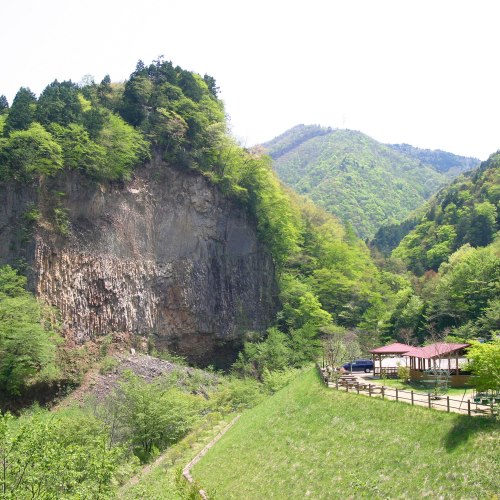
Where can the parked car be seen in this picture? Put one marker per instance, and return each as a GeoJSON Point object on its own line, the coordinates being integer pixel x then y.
{"type": "Point", "coordinates": [359, 365]}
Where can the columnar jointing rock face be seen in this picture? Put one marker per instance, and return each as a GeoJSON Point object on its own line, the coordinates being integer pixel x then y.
{"type": "Point", "coordinates": [164, 255]}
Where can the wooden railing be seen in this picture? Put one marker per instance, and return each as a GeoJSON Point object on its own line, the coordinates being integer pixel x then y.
{"type": "Point", "coordinates": [350, 383]}
{"type": "Point", "coordinates": [387, 371]}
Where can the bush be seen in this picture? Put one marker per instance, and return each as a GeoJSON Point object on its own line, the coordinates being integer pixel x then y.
{"type": "Point", "coordinates": [27, 343]}
{"type": "Point", "coordinates": [236, 394]}
{"type": "Point", "coordinates": [55, 456]}
{"type": "Point", "coordinates": [403, 373]}
{"type": "Point", "coordinates": [61, 221]}
{"type": "Point", "coordinates": [108, 364]}
{"type": "Point", "coordinates": [276, 380]}
{"type": "Point", "coordinates": [151, 418]}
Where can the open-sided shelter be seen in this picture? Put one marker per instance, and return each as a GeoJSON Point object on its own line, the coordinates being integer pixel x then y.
{"type": "Point", "coordinates": [440, 355]}
{"type": "Point", "coordinates": [394, 349]}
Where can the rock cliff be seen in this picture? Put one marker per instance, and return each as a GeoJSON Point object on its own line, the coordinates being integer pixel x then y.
{"type": "Point", "coordinates": [165, 255]}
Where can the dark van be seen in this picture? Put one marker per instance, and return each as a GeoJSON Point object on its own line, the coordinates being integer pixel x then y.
{"type": "Point", "coordinates": [360, 365]}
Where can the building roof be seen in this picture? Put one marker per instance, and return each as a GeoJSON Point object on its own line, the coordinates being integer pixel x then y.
{"type": "Point", "coordinates": [394, 348]}
{"type": "Point", "coordinates": [435, 350]}
{"type": "Point", "coordinates": [430, 351]}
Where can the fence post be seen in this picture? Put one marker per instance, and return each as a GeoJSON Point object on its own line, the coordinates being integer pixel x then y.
{"type": "Point", "coordinates": [448, 404]}
{"type": "Point", "coordinates": [412, 398]}
{"type": "Point", "coordinates": [468, 407]}
{"type": "Point", "coordinates": [491, 405]}
{"type": "Point", "coordinates": [397, 394]}
{"type": "Point", "coordinates": [357, 387]}
{"type": "Point", "coordinates": [337, 384]}
{"type": "Point", "coordinates": [383, 392]}
{"type": "Point", "coordinates": [347, 386]}
{"type": "Point", "coordinates": [370, 390]}
{"type": "Point", "coordinates": [429, 399]}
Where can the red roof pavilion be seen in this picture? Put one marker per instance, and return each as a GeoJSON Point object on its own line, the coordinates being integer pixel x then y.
{"type": "Point", "coordinates": [394, 348]}
{"type": "Point", "coordinates": [437, 350]}
{"type": "Point", "coordinates": [418, 355]}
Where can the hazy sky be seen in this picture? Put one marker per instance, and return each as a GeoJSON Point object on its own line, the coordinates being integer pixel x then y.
{"type": "Point", "coordinates": [425, 72]}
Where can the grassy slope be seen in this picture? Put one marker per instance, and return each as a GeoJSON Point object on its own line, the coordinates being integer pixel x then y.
{"type": "Point", "coordinates": [311, 441]}
{"type": "Point", "coordinates": [159, 481]}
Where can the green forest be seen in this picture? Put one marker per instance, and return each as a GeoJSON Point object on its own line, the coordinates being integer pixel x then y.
{"type": "Point", "coordinates": [436, 275]}
{"type": "Point", "coordinates": [452, 248]}
{"type": "Point", "coordinates": [361, 181]}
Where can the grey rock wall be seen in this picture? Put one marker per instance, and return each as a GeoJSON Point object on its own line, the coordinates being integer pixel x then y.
{"type": "Point", "coordinates": [164, 255]}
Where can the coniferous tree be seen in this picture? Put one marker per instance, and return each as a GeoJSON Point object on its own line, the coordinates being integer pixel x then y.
{"type": "Point", "coordinates": [59, 103]}
{"type": "Point", "coordinates": [22, 111]}
{"type": "Point", "coordinates": [4, 104]}
{"type": "Point", "coordinates": [211, 84]}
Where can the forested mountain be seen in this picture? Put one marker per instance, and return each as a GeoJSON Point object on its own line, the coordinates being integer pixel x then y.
{"type": "Point", "coordinates": [442, 161]}
{"type": "Point", "coordinates": [466, 212]}
{"type": "Point", "coordinates": [360, 180]}
{"type": "Point", "coordinates": [454, 249]}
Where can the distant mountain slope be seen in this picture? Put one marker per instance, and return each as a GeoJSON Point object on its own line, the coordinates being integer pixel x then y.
{"type": "Point", "coordinates": [442, 161]}
{"type": "Point", "coordinates": [293, 138]}
{"type": "Point", "coordinates": [464, 212]}
{"type": "Point", "coordinates": [364, 182]}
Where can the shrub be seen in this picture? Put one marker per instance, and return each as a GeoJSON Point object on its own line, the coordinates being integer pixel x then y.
{"type": "Point", "coordinates": [61, 221]}
{"type": "Point", "coordinates": [276, 380]}
{"type": "Point", "coordinates": [152, 418]}
{"type": "Point", "coordinates": [236, 394]}
{"type": "Point", "coordinates": [403, 373]}
{"type": "Point", "coordinates": [108, 364]}
{"type": "Point", "coordinates": [55, 456]}
{"type": "Point", "coordinates": [27, 344]}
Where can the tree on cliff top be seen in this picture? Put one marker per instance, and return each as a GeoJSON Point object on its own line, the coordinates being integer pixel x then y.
{"type": "Point", "coordinates": [22, 111]}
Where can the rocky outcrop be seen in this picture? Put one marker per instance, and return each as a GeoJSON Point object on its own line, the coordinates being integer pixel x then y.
{"type": "Point", "coordinates": [165, 255]}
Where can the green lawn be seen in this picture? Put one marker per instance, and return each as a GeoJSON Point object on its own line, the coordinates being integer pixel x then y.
{"type": "Point", "coordinates": [309, 441]}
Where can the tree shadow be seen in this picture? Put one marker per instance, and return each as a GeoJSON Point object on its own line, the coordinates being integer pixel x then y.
{"type": "Point", "coordinates": [43, 394]}
{"type": "Point", "coordinates": [465, 427]}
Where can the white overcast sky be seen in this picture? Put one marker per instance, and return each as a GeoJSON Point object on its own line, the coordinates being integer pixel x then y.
{"type": "Point", "coordinates": [424, 72]}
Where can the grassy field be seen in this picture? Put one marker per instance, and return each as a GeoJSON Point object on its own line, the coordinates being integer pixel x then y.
{"type": "Point", "coordinates": [309, 441]}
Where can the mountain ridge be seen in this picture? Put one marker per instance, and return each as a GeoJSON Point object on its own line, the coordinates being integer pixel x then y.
{"type": "Point", "coordinates": [362, 181]}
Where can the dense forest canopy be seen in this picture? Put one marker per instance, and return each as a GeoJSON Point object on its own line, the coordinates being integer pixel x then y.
{"type": "Point", "coordinates": [452, 245]}
{"type": "Point", "coordinates": [358, 179]}
{"type": "Point", "coordinates": [442, 161]}
{"type": "Point", "coordinates": [466, 212]}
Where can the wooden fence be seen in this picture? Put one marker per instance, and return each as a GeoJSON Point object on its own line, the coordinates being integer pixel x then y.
{"type": "Point", "coordinates": [389, 371]}
{"type": "Point", "coordinates": [443, 403]}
